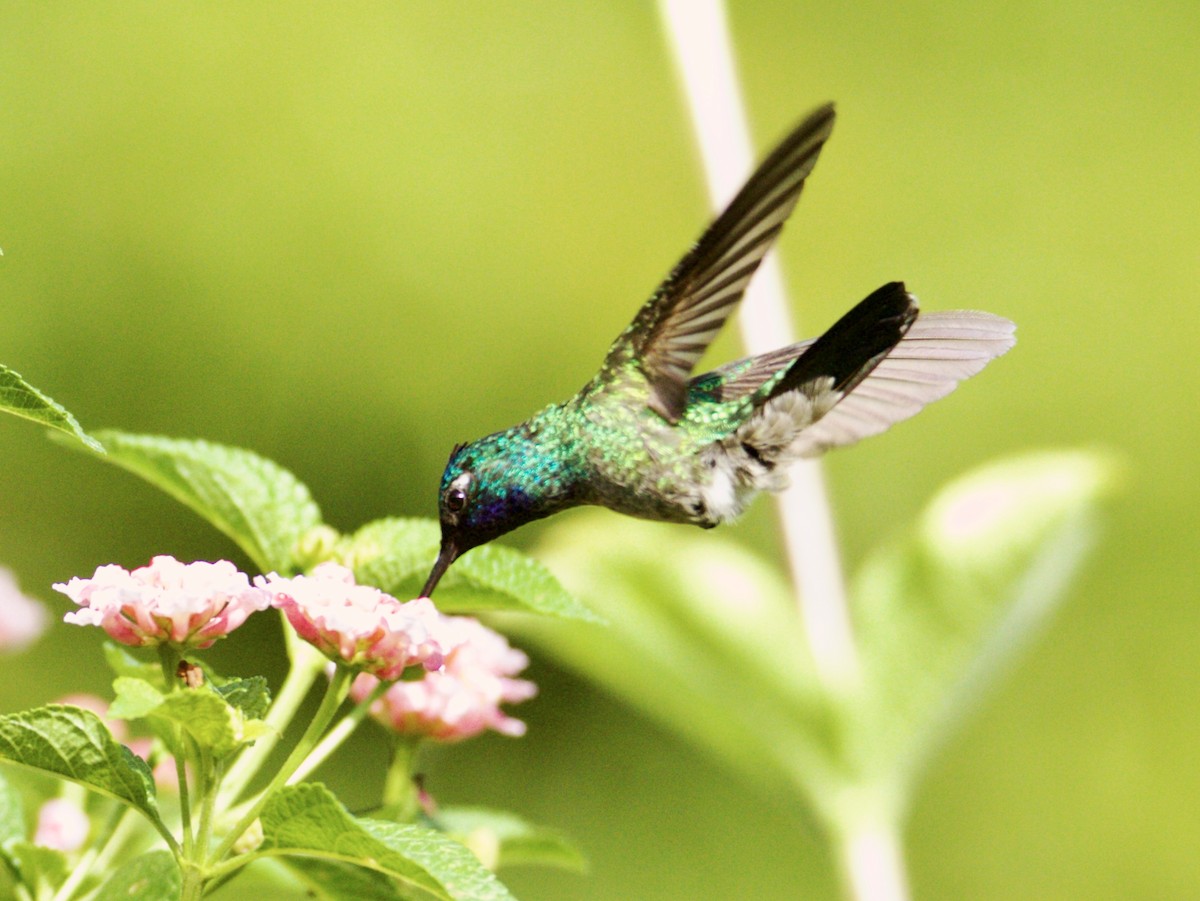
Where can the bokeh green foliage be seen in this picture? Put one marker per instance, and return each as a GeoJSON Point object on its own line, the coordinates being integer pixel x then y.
{"type": "Point", "coordinates": [699, 633]}
{"type": "Point", "coordinates": [348, 237]}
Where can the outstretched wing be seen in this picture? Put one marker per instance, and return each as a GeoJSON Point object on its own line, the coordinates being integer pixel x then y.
{"type": "Point", "coordinates": [939, 350]}
{"type": "Point", "coordinates": [680, 320]}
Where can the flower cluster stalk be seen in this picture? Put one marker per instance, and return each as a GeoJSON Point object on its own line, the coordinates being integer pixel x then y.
{"type": "Point", "coordinates": [307, 664]}
{"type": "Point", "coordinates": [339, 687]}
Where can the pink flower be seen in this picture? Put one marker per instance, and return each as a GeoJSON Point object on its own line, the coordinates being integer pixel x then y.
{"type": "Point", "coordinates": [184, 604]}
{"type": "Point", "coordinates": [357, 625]}
{"type": "Point", "coordinates": [61, 825]}
{"type": "Point", "coordinates": [462, 698]}
{"type": "Point", "coordinates": [22, 619]}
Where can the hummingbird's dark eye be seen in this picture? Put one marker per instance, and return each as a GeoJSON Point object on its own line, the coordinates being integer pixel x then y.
{"type": "Point", "coordinates": [456, 499]}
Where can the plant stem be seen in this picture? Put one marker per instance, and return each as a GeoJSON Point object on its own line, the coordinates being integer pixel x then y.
{"type": "Point", "coordinates": [96, 857]}
{"type": "Point", "coordinates": [307, 665]}
{"type": "Point", "coordinates": [400, 795]}
{"type": "Point", "coordinates": [338, 688]}
{"type": "Point", "coordinates": [208, 801]}
{"type": "Point", "coordinates": [700, 38]}
{"type": "Point", "coordinates": [338, 734]}
{"type": "Point", "coordinates": [169, 658]}
{"type": "Point", "coordinates": [869, 850]}
{"type": "Point", "coordinates": [871, 859]}
{"type": "Point", "coordinates": [193, 883]}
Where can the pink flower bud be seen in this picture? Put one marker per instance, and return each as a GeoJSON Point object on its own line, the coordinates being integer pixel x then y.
{"type": "Point", "coordinates": [188, 605]}
{"type": "Point", "coordinates": [61, 825]}
{"type": "Point", "coordinates": [356, 625]}
{"type": "Point", "coordinates": [22, 619]}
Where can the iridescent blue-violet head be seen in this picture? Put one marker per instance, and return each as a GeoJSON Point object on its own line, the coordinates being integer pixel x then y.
{"type": "Point", "coordinates": [492, 486]}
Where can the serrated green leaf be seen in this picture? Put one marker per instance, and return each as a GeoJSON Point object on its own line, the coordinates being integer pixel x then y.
{"type": "Point", "coordinates": [333, 881]}
{"type": "Point", "coordinates": [391, 553]}
{"type": "Point", "coordinates": [259, 504]}
{"type": "Point", "coordinates": [41, 870]}
{"type": "Point", "coordinates": [451, 862]}
{"type": "Point", "coordinates": [74, 744]}
{"type": "Point", "coordinates": [939, 610]}
{"type": "Point", "coordinates": [201, 712]}
{"type": "Point", "coordinates": [134, 699]}
{"type": "Point", "coordinates": [12, 813]}
{"type": "Point", "coordinates": [493, 577]}
{"type": "Point", "coordinates": [20, 398]}
{"type": "Point", "coordinates": [205, 716]}
{"type": "Point", "coordinates": [251, 696]}
{"type": "Point", "coordinates": [396, 554]}
{"type": "Point", "coordinates": [517, 841]}
{"type": "Point", "coordinates": [151, 877]}
{"type": "Point", "coordinates": [307, 821]}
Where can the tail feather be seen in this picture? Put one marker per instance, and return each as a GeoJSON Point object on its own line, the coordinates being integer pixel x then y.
{"type": "Point", "coordinates": [830, 401]}
{"type": "Point", "coordinates": [938, 352]}
{"type": "Point", "coordinates": [853, 346]}
{"type": "Point", "coordinates": [852, 383]}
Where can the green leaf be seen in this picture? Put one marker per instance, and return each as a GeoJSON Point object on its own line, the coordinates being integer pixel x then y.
{"type": "Point", "coordinates": [307, 821]}
{"type": "Point", "coordinates": [516, 841]}
{"type": "Point", "coordinates": [939, 611]}
{"type": "Point", "coordinates": [41, 870]}
{"type": "Point", "coordinates": [12, 813]}
{"type": "Point", "coordinates": [204, 715]}
{"type": "Point", "coordinates": [395, 555]}
{"type": "Point", "coordinates": [19, 397]}
{"type": "Point", "coordinates": [74, 744]}
{"type": "Point", "coordinates": [135, 699]}
{"type": "Point", "coordinates": [12, 825]}
{"type": "Point", "coordinates": [452, 863]}
{"type": "Point", "coordinates": [201, 712]}
{"type": "Point", "coordinates": [702, 635]}
{"type": "Point", "coordinates": [251, 696]}
{"type": "Point", "coordinates": [260, 505]}
{"type": "Point", "coordinates": [151, 877]}
{"type": "Point", "coordinates": [343, 882]}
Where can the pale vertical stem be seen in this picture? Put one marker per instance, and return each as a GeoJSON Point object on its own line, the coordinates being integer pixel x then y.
{"type": "Point", "coordinates": [869, 850]}
{"type": "Point", "coordinates": [704, 53]}
{"type": "Point", "coordinates": [872, 861]}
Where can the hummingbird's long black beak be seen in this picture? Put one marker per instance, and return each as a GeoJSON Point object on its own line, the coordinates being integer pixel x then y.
{"type": "Point", "coordinates": [447, 555]}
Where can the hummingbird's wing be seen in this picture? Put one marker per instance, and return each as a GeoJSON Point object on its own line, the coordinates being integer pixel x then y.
{"type": "Point", "coordinates": [680, 320]}
{"type": "Point", "coordinates": [939, 350]}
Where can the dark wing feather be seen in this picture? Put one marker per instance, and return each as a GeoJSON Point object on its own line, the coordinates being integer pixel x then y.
{"type": "Point", "coordinates": [853, 346]}
{"type": "Point", "coordinates": [678, 323]}
{"type": "Point", "coordinates": [939, 350]}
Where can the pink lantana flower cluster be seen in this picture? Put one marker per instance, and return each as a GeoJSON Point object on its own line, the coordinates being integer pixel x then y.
{"type": "Point", "coordinates": [188, 605]}
{"type": "Point", "coordinates": [470, 669]}
{"type": "Point", "coordinates": [463, 697]}
{"type": "Point", "coordinates": [357, 625]}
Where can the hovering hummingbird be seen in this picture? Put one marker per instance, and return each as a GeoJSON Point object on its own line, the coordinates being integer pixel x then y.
{"type": "Point", "coordinates": [646, 438]}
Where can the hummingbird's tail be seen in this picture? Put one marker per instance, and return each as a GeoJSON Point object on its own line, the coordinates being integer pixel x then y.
{"type": "Point", "coordinates": [815, 382]}
{"type": "Point", "coordinates": [855, 344]}
{"type": "Point", "coordinates": [878, 365]}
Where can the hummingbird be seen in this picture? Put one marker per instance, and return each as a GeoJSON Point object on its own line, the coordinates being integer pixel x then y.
{"type": "Point", "coordinates": [648, 439]}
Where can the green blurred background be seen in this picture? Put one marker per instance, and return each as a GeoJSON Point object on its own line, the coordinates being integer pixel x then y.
{"type": "Point", "coordinates": [348, 235]}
